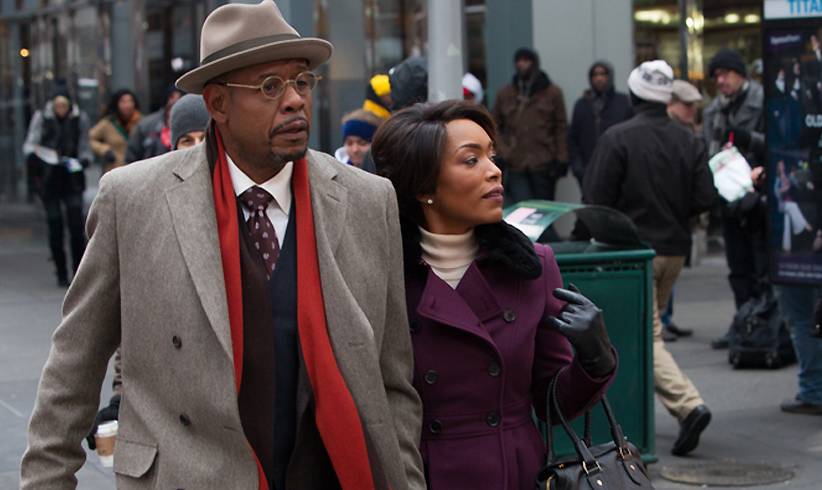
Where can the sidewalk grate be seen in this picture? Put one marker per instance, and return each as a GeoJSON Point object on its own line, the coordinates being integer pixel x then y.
{"type": "Point", "coordinates": [726, 474]}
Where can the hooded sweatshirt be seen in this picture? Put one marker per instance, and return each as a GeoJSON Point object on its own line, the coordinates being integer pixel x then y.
{"type": "Point", "coordinates": [595, 112]}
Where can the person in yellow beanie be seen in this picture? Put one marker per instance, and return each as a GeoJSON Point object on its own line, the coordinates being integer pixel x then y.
{"type": "Point", "coordinates": [378, 96]}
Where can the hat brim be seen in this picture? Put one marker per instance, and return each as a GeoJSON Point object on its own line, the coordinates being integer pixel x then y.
{"type": "Point", "coordinates": [315, 51]}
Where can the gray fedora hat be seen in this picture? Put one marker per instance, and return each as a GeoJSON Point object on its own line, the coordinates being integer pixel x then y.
{"type": "Point", "coordinates": [238, 35]}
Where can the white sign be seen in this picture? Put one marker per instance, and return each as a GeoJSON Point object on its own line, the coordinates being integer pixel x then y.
{"type": "Point", "coordinates": [792, 9]}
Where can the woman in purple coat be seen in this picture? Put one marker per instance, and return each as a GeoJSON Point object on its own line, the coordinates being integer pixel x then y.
{"type": "Point", "coordinates": [489, 323]}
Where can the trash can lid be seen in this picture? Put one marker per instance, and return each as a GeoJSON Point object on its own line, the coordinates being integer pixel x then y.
{"type": "Point", "coordinates": [602, 224]}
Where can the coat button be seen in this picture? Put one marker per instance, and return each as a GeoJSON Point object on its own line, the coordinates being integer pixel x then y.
{"type": "Point", "coordinates": [176, 342]}
{"type": "Point", "coordinates": [494, 369]}
{"type": "Point", "coordinates": [509, 316]}
{"type": "Point", "coordinates": [435, 427]}
{"type": "Point", "coordinates": [185, 420]}
{"type": "Point", "coordinates": [414, 326]}
{"type": "Point", "coordinates": [492, 419]}
{"type": "Point", "coordinates": [431, 377]}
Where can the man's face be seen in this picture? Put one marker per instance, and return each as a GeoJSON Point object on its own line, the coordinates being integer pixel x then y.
{"type": "Point", "coordinates": [264, 130]}
{"type": "Point", "coordinates": [684, 112]}
{"type": "Point", "coordinates": [524, 66]}
{"type": "Point", "coordinates": [728, 82]}
{"type": "Point", "coordinates": [61, 107]}
{"type": "Point", "coordinates": [600, 78]}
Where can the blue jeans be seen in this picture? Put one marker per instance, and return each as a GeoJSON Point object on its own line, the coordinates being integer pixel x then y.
{"type": "Point", "coordinates": [667, 316]}
{"type": "Point", "coordinates": [796, 304]}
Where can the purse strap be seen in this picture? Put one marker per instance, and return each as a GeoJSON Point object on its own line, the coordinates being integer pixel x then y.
{"type": "Point", "coordinates": [581, 447]}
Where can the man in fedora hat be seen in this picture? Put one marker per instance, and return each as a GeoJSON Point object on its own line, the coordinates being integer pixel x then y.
{"type": "Point", "coordinates": [260, 313]}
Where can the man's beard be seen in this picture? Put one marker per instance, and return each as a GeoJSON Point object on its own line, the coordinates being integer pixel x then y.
{"type": "Point", "coordinates": [278, 160]}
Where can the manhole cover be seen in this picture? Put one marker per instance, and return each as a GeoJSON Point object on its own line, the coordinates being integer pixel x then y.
{"type": "Point", "coordinates": [726, 474]}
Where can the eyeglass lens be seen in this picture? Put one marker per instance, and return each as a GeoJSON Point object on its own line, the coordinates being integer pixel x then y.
{"type": "Point", "coordinates": [274, 86]}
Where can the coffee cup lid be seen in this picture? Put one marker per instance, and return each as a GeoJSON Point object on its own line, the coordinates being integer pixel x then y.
{"type": "Point", "coordinates": [107, 429]}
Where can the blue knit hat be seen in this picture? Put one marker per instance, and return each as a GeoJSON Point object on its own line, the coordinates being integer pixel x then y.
{"type": "Point", "coordinates": [359, 123]}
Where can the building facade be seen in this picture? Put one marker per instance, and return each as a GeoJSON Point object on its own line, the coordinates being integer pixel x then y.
{"type": "Point", "coordinates": [99, 46]}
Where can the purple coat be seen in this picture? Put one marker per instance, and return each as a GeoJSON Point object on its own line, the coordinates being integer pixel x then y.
{"type": "Point", "coordinates": [484, 354]}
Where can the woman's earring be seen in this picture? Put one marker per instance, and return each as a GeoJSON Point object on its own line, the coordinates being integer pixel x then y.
{"type": "Point", "coordinates": [429, 202]}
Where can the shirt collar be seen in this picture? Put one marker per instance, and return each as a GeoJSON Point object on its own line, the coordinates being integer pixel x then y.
{"type": "Point", "coordinates": [278, 186]}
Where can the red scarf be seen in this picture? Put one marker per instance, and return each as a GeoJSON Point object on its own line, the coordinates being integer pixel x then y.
{"type": "Point", "coordinates": [336, 414]}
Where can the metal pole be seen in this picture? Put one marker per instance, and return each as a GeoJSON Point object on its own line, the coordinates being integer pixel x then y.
{"type": "Point", "coordinates": [445, 50]}
{"type": "Point", "coordinates": [683, 39]}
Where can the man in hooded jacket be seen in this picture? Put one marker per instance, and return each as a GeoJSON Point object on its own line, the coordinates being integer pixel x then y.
{"type": "Point", "coordinates": [599, 108]}
{"type": "Point", "coordinates": [530, 114]}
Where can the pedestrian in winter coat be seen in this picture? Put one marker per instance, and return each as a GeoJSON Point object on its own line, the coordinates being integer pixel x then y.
{"type": "Point", "coordinates": [533, 139]}
{"type": "Point", "coordinates": [152, 135]}
{"type": "Point", "coordinates": [655, 170]}
{"type": "Point", "coordinates": [255, 289]}
{"type": "Point", "coordinates": [189, 120]}
{"type": "Point", "coordinates": [599, 108]}
{"type": "Point", "coordinates": [109, 137]}
{"type": "Point", "coordinates": [357, 131]}
{"type": "Point", "coordinates": [489, 323]}
{"type": "Point", "coordinates": [57, 143]}
{"type": "Point", "coordinates": [737, 114]}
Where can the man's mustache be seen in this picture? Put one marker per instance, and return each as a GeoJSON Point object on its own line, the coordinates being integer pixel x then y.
{"type": "Point", "coordinates": [276, 129]}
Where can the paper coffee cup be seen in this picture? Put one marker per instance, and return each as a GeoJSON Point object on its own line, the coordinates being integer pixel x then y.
{"type": "Point", "coordinates": [104, 438]}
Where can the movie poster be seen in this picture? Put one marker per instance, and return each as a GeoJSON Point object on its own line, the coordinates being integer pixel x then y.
{"type": "Point", "coordinates": [793, 90]}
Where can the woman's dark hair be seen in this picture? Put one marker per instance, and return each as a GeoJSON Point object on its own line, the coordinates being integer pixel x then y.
{"type": "Point", "coordinates": [408, 148]}
{"type": "Point", "coordinates": [115, 100]}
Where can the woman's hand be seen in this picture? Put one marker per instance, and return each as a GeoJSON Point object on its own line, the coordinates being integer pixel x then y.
{"type": "Point", "coordinates": [581, 322]}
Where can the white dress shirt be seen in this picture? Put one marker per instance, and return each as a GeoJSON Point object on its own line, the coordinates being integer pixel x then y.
{"type": "Point", "coordinates": [278, 186]}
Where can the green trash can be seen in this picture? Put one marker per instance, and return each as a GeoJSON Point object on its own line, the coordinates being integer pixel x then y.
{"type": "Point", "coordinates": [614, 269]}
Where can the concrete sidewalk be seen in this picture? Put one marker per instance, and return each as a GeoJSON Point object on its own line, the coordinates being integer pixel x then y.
{"type": "Point", "coordinates": [747, 424]}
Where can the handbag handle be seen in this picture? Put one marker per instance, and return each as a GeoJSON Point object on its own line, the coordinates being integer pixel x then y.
{"type": "Point", "coordinates": [580, 446]}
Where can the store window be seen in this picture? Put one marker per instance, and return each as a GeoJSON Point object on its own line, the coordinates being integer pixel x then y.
{"type": "Point", "coordinates": [708, 24]}
{"type": "Point", "coordinates": [170, 44]}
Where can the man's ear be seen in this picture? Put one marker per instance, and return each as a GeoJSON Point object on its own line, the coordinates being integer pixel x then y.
{"type": "Point", "coordinates": [216, 99]}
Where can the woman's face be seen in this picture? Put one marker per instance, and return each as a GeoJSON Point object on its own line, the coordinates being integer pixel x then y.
{"type": "Point", "coordinates": [356, 148]}
{"type": "Point", "coordinates": [126, 106]}
{"type": "Point", "coordinates": [469, 186]}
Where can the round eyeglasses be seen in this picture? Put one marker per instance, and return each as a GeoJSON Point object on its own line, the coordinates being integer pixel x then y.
{"type": "Point", "coordinates": [274, 87]}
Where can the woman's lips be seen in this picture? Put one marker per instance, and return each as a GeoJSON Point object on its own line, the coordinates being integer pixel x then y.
{"type": "Point", "coordinates": [495, 194]}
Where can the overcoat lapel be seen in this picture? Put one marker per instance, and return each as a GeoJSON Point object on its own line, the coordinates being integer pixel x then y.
{"type": "Point", "coordinates": [191, 203]}
{"type": "Point", "coordinates": [465, 308]}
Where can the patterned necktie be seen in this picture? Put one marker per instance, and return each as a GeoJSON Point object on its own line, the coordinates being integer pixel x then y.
{"type": "Point", "coordinates": [260, 229]}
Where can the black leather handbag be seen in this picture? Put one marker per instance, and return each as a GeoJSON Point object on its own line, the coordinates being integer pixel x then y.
{"type": "Point", "coordinates": [615, 465]}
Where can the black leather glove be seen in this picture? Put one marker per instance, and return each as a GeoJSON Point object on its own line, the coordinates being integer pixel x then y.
{"type": "Point", "coordinates": [580, 321]}
{"type": "Point", "coordinates": [111, 412]}
{"type": "Point", "coordinates": [742, 137]}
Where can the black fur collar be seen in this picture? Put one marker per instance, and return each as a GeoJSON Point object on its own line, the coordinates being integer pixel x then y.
{"type": "Point", "coordinates": [500, 244]}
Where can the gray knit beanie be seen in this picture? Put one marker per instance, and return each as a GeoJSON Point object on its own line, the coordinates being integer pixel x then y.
{"type": "Point", "coordinates": [188, 114]}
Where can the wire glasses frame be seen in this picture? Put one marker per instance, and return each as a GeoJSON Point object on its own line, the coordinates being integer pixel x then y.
{"type": "Point", "coordinates": [273, 87]}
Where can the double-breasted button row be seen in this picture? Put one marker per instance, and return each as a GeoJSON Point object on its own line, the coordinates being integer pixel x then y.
{"type": "Point", "coordinates": [185, 420]}
{"type": "Point", "coordinates": [494, 369]}
{"type": "Point", "coordinates": [492, 419]}
{"type": "Point", "coordinates": [431, 377]}
{"type": "Point", "coordinates": [177, 342]}
{"type": "Point", "coordinates": [414, 326]}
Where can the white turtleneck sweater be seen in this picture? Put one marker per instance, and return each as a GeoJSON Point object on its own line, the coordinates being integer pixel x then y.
{"type": "Point", "coordinates": [449, 256]}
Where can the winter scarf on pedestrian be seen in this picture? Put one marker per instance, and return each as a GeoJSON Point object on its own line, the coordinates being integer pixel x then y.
{"type": "Point", "coordinates": [337, 418]}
